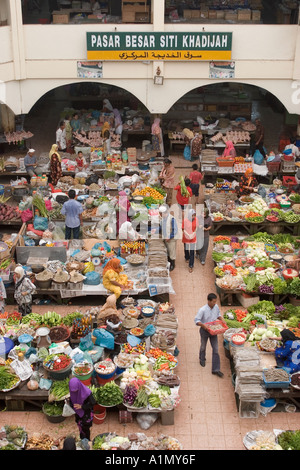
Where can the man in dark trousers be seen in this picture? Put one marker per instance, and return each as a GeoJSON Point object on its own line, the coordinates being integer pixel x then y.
{"type": "Point", "coordinates": [258, 138]}
{"type": "Point", "coordinates": [208, 313]}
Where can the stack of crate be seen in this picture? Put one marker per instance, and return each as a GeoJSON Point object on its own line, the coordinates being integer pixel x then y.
{"type": "Point", "coordinates": [209, 160]}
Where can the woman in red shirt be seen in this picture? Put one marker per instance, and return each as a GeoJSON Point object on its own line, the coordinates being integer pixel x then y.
{"type": "Point", "coordinates": [189, 238]}
{"type": "Point", "coordinates": [195, 177]}
{"type": "Point", "coordinates": [183, 200]}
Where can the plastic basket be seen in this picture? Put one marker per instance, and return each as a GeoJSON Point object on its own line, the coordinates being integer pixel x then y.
{"type": "Point", "coordinates": [225, 163]}
{"type": "Point", "coordinates": [216, 327]}
{"type": "Point", "coordinates": [276, 384]}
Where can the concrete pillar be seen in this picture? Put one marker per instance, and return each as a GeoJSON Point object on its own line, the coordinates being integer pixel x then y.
{"type": "Point", "coordinates": [158, 14]}
{"type": "Point", "coordinates": [16, 22]}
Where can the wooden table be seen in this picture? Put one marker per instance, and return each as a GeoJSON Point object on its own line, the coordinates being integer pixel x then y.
{"type": "Point", "coordinates": [15, 399]}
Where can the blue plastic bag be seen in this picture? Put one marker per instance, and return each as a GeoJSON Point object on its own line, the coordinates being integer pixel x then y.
{"type": "Point", "coordinates": [92, 278]}
{"type": "Point", "coordinates": [187, 152]}
{"type": "Point", "coordinates": [104, 338]}
{"type": "Point", "coordinates": [258, 157]}
{"type": "Point", "coordinates": [40, 223]}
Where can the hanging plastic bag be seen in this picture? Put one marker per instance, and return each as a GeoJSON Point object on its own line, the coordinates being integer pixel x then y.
{"type": "Point", "coordinates": [258, 157]}
{"type": "Point", "coordinates": [67, 410]}
{"type": "Point", "coordinates": [187, 153]}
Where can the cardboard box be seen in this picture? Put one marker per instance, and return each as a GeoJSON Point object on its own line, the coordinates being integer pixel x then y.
{"type": "Point", "coordinates": [187, 14]}
{"type": "Point", "coordinates": [212, 14]}
{"type": "Point", "coordinates": [244, 15]}
{"type": "Point", "coordinates": [195, 13]}
{"type": "Point", "coordinates": [61, 18]}
{"type": "Point", "coordinates": [204, 14]}
{"type": "Point", "coordinates": [256, 15]}
{"type": "Point", "coordinates": [220, 14]}
{"type": "Point", "coordinates": [231, 15]}
{"type": "Point", "coordinates": [131, 152]}
{"type": "Point", "coordinates": [141, 17]}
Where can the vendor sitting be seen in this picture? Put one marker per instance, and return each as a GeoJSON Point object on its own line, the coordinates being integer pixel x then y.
{"type": "Point", "coordinates": [248, 183]}
{"type": "Point", "coordinates": [81, 161]}
{"type": "Point", "coordinates": [288, 354]}
{"type": "Point", "coordinates": [229, 150]}
{"type": "Point", "coordinates": [113, 280]}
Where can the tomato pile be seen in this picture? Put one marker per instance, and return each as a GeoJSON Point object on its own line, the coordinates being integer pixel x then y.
{"type": "Point", "coordinates": [57, 361]}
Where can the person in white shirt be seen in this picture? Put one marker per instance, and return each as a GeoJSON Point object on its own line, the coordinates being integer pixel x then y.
{"type": "Point", "coordinates": [95, 6]}
{"type": "Point", "coordinates": [61, 140]}
{"type": "Point", "coordinates": [295, 150]}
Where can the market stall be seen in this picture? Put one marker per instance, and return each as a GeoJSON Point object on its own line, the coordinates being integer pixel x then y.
{"type": "Point", "coordinates": [130, 365]}
{"type": "Point", "coordinates": [264, 374]}
{"type": "Point", "coordinates": [272, 208]}
{"type": "Point", "coordinates": [260, 266]}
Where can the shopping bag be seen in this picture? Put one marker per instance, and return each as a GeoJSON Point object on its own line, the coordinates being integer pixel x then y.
{"type": "Point", "coordinates": [67, 410]}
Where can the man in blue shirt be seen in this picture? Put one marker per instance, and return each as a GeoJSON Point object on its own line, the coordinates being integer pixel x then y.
{"type": "Point", "coordinates": [72, 209]}
{"type": "Point", "coordinates": [30, 162]}
{"type": "Point", "coordinates": [208, 313]}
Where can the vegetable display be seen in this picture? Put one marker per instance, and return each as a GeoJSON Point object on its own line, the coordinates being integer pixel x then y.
{"type": "Point", "coordinates": [8, 379]}
{"type": "Point", "coordinates": [109, 394]}
{"type": "Point", "coordinates": [57, 362]}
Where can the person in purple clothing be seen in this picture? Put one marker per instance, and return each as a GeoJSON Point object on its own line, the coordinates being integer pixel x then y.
{"type": "Point", "coordinates": [82, 401]}
{"type": "Point", "coordinates": [72, 209]}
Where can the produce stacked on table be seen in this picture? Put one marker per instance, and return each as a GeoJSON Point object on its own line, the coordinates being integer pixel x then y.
{"type": "Point", "coordinates": [262, 263]}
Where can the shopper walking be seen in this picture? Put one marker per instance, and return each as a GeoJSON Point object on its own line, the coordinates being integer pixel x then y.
{"type": "Point", "coordinates": [157, 138]}
{"type": "Point", "coordinates": [183, 199]}
{"type": "Point", "coordinates": [82, 402]}
{"type": "Point", "coordinates": [206, 226]}
{"type": "Point", "coordinates": [195, 177]}
{"type": "Point", "coordinates": [24, 289]}
{"type": "Point", "coordinates": [208, 313]}
{"type": "Point", "coordinates": [166, 178]}
{"type": "Point", "coordinates": [55, 165]}
{"type": "Point", "coordinates": [169, 231]}
{"type": "Point", "coordinates": [258, 139]}
{"type": "Point", "coordinates": [72, 209]}
{"type": "Point", "coordinates": [61, 140]}
{"type": "Point", "coordinates": [189, 227]}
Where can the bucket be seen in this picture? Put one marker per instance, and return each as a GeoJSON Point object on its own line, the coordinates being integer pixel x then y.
{"type": "Point", "coordinates": [104, 381]}
{"type": "Point", "coordinates": [59, 374]}
{"type": "Point", "coordinates": [145, 144]}
{"type": "Point", "coordinates": [99, 414]}
{"type": "Point", "coordinates": [43, 284]}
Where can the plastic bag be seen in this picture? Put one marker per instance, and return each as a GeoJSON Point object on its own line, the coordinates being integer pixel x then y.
{"type": "Point", "coordinates": [26, 215]}
{"type": "Point", "coordinates": [92, 279]}
{"type": "Point", "coordinates": [67, 410]}
{"type": "Point", "coordinates": [146, 420]}
{"type": "Point", "coordinates": [40, 223]}
{"type": "Point", "coordinates": [86, 343]}
{"type": "Point", "coordinates": [45, 384]}
{"type": "Point", "coordinates": [258, 158]}
{"type": "Point", "coordinates": [187, 152]}
{"type": "Point", "coordinates": [104, 338]}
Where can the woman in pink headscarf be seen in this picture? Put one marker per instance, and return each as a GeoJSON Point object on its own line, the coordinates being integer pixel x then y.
{"type": "Point", "coordinates": [229, 150]}
{"type": "Point", "coordinates": [157, 138]}
{"type": "Point", "coordinates": [82, 401]}
{"type": "Point", "coordinates": [122, 210]}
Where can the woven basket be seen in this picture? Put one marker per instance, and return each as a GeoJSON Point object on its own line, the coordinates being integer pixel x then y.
{"type": "Point", "coordinates": [86, 234]}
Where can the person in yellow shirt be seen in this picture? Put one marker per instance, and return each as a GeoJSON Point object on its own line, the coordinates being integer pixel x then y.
{"type": "Point", "coordinates": [113, 280]}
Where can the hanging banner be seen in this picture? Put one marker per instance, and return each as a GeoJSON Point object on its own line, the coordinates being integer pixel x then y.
{"type": "Point", "coordinates": [159, 46]}
{"type": "Point", "coordinates": [222, 70]}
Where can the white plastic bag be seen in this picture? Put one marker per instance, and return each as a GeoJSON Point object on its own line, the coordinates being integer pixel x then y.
{"type": "Point", "coordinates": [67, 410]}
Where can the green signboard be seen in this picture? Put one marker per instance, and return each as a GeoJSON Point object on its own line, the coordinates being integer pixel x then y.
{"type": "Point", "coordinates": [159, 46]}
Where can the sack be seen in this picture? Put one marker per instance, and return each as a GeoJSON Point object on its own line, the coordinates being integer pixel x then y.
{"type": "Point", "coordinates": [67, 410]}
{"type": "Point", "coordinates": [187, 152]}
{"type": "Point", "coordinates": [40, 223]}
{"type": "Point", "coordinates": [258, 158]}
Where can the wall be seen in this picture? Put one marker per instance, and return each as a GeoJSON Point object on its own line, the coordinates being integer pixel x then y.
{"type": "Point", "coordinates": [265, 55]}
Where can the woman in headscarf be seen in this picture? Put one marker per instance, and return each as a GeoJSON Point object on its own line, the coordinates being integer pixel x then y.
{"type": "Point", "coordinates": [189, 238]}
{"type": "Point", "coordinates": [69, 133]}
{"type": "Point", "coordinates": [127, 232]}
{"type": "Point", "coordinates": [122, 210]}
{"type": "Point", "coordinates": [82, 401]}
{"type": "Point", "coordinates": [157, 138]}
{"type": "Point", "coordinates": [288, 355]}
{"type": "Point", "coordinates": [24, 289]}
{"type": "Point", "coordinates": [55, 165]}
{"type": "Point", "coordinates": [166, 178]}
{"type": "Point", "coordinates": [247, 184]}
{"type": "Point", "coordinates": [118, 122]}
{"type": "Point", "coordinates": [107, 107]}
{"type": "Point", "coordinates": [113, 280]}
{"type": "Point", "coordinates": [229, 150]}
{"type": "Point", "coordinates": [108, 309]}
{"type": "Point", "coordinates": [69, 443]}
{"type": "Point", "coordinates": [196, 146]}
